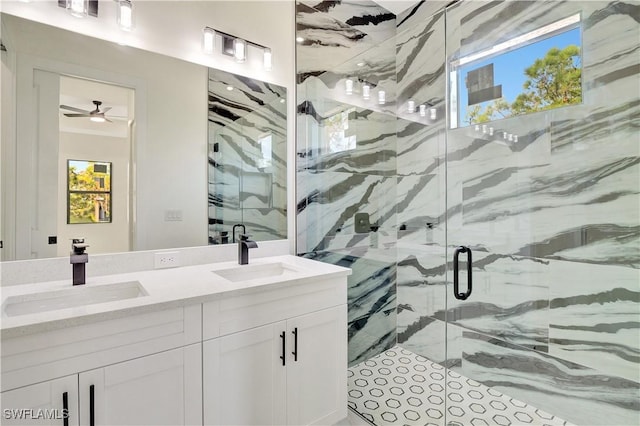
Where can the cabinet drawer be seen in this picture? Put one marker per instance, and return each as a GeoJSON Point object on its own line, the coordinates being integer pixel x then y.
{"type": "Point", "coordinates": [245, 311]}
{"type": "Point", "coordinates": [47, 355]}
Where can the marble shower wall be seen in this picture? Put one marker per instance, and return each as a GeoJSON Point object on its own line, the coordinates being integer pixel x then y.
{"type": "Point", "coordinates": [553, 220]}
{"type": "Point", "coordinates": [346, 158]}
{"type": "Point", "coordinates": [247, 181]}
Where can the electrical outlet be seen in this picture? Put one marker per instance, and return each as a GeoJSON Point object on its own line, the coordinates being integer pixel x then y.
{"type": "Point", "coordinates": [167, 259]}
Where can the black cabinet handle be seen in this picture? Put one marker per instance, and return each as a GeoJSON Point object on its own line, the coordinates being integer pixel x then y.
{"type": "Point", "coordinates": [92, 411]}
{"type": "Point", "coordinates": [456, 289]}
{"type": "Point", "coordinates": [295, 344]}
{"type": "Point", "coordinates": [65, 408]}
{"type": "Point", "coordinates": [284, 348]}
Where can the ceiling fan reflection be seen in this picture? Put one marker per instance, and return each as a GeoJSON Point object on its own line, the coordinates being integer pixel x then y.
{"type": "Point", "coordinates": [95, 115]}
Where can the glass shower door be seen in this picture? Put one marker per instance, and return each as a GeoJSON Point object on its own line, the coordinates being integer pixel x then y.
{"type": "Point", "coordinates": [542, 213]}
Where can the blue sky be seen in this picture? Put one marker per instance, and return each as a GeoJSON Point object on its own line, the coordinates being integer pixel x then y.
{"type": "Point", "coordinates": [509, 67]}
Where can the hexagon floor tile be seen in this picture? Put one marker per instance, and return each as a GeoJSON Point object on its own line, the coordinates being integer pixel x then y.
{"type": "Point", "coordinates": [399, 387]}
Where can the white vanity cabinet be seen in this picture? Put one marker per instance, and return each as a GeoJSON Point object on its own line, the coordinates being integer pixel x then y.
{"type": "Point", "coordinates": [138, 370]}
{"type": "Point", "coordinates": [159, 389]}
{"type": "Point", "coordinates": [280, 359]}
{"type": "Point", "coordinates": [54, 400]}
{"type": "Point", "coordinates": [260, 350]}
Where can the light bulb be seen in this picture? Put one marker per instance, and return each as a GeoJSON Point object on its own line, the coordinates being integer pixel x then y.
{"type": "Point", "coordinates": [97, 119]}
{"type": "Point", "coordinates": [240, 50]}
{"type": "Point", "coordinates": [125, 15]}
{"type": "Point", "coordinates": [366, 91]}
{"type": "Point", "coordinates": [411, 106]}
{"type": "Point", "coordinates": [208, 40]}
{"type": "Point", "coordinates": [382, 97]}
{"type": "Point", "coordinates": [423, 110]}
{"type": "Point", "coordinates": [78, 8]}
{"type": "Point", "coordinates": [348, 86]}
{"type": "Point", "coordinates": [433, 113]}
{"type": "Point", "coordinates": [267, 59]}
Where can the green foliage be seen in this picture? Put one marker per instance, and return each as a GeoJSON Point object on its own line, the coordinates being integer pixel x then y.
{"type": "Point", "coordinates": [87, 188]}
{"type": "Point", "coordinates": [552, 81]}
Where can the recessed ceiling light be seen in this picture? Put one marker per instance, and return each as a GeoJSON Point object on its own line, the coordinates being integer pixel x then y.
{"type": "Point", "coordinates": [360, 64]}
{"type": "Point", "coordinates": [282, 100]}
{"type": "Point", "coordinates": [229, 88]}
{"type": "Point", "coordinates": [299, 39]}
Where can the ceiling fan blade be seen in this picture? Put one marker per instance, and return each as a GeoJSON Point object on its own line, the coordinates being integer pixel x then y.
{"type": "Point", "coordinates": [77, 115]}
{"type": "Point", "coordinates": [70, 108]}
{"type": "Point", "coordinates": [105, 109]}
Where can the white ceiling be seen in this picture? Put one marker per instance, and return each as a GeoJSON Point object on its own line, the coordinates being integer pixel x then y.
{"type": "Point", "coordinates": [396, 6]}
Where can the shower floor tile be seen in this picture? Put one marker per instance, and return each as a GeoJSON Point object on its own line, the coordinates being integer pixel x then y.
{"type": "Point", "coordinates": [399, 387]}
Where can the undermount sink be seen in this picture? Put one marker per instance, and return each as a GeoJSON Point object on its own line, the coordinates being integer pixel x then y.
{"type": "Point", "coordinates": [71, 297]}
{"type": "Point", "coordinates": [256, 271]}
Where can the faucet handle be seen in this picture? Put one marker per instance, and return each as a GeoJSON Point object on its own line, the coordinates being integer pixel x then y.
{"type": "Point", "coordinates": [244, 237]}
{"type": "Point", "coordinates": [78, 245]}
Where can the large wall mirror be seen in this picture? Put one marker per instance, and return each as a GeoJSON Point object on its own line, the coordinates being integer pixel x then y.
{"type": "Point", "coordinates": [192, 150]}
{"type": "Point", "coordinates": [247, 158]}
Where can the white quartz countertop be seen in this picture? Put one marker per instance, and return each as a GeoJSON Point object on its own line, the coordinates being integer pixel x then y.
{"type": "Point", "coordinates": [165, 288]}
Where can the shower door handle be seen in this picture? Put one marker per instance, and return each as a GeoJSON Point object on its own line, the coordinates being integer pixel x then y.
{"type": "Point", "coordinates": [456, 286]}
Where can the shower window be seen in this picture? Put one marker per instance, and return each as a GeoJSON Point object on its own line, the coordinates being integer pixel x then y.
{"type": "Point", "coordinates": [536, 71]}
{"type": "Point", "coordinates": [88, 192]}
{"type": "Point", "coordinates": [339, 137]}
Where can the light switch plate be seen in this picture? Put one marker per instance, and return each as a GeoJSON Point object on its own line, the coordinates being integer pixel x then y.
{"type": "Point", "coordinates": [173, 215]}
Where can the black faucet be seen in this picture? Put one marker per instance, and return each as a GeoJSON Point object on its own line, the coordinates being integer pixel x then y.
{"type": "Point", "coordinates": [244, 244]}
{"type": "Point", "coordinates": [79, 259]}
{"type": "Point", "coordinates": [233, 232]}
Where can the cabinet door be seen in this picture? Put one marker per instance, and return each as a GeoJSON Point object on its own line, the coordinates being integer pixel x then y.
{"type": "Point", "coordinates": [50, 403]}
{"type": "Point", "coordinates": [244, 377]}
{"type": "Point", "coordinates": [317, 373]}
{"type": "Point", "coordinates": [159, 389]}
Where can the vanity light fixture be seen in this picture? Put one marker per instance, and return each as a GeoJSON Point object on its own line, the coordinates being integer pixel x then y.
{"type": "Point", "coordinates": [80, 8]}
{"type": "Point", "coordinates": [382, 97]}
{"type": "Point", "coordinates": [423, 110]}
{"type": "Point", "coordinates": [234, 46]}
{"type": "Point", "coordinates": [125, 15]}
{"type": "Point", "coordinates": [411, 106]}
{"type": "Point", "coordinates": [348, 86]}
{"type": "Point", "coordinates": [433, 113]}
